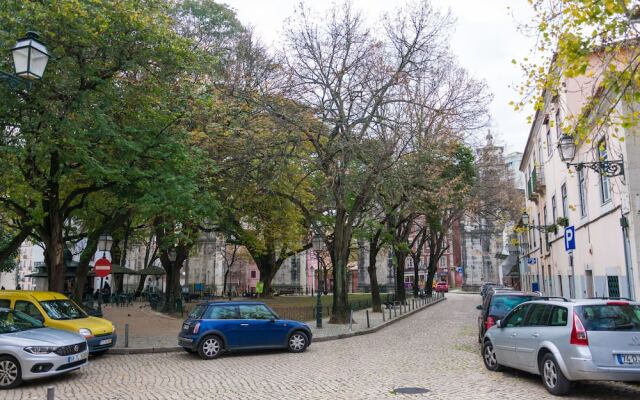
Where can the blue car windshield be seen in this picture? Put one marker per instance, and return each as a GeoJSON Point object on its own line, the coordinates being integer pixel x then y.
{"type": "Point", "coordinates": [16, 321]}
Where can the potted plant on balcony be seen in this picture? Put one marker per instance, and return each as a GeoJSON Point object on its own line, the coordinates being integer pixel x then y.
{"type": "Point", "coordinates": [563, 221]}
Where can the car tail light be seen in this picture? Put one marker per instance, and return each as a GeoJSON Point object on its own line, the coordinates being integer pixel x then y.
{"type": "Point", "coordinates": [578, 333]}
{"type": "Point", "coordinates": [617, 303]}
{"type": "Point", "coordinates": [489, 323]}
{"type": "Point", "coordinates": [196, 327]}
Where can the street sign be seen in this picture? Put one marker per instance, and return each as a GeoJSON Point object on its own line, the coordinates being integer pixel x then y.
{"type": "Point", "coordinates": [102, 267]}
{"type": "Point", "coordinates": [570, 238]}
{"type": "Point", "coordinates": [532, 260]}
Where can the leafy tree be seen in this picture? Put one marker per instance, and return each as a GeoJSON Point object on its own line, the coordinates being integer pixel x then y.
{"type": "Point", "coordinates": [102, 118]}
{"type": "Point", "coordinates": [345, 73]}
{"type": "Point", "coordinates": [594, 43]}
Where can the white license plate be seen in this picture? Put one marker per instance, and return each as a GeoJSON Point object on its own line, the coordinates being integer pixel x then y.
{"type": "Point", "coordinates": [77, 357]}
{"type": "Point", "coordinates": [106, 341]}
{"type": "Point", "coordinates": [185, 327]}
{"type": "Point", "coordinates": [628, 359]}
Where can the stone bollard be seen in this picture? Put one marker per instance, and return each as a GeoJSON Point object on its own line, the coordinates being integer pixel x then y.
{"type": "Point", "coordinates": [126, 335]}
{"type": "Point", "coordinates": [383, 320]}
{"type": "Point", "coordinates": [389, 313]}
{"type": "Point", "coordinates": [350, 319]}
{"type": "Point", "coordinates": [51, 393]}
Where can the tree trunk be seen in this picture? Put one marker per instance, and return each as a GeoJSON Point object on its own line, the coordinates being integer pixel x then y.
{"type": "Point", "coordinates": [340, 257]}
{"type": "Point", "coordinates": [14, 244]}
{"type": "Point", "coordinates": [401, 257]}
{"type": "Point", "coordinates": [116, 259]}
{"type": "Point", "coordinates": [374, 249]}
{"type": "Point", "coordinates": [224, 285]}
{"type": "Point", "coordinates": [83, 265]}
{"type": "Point", "coordinates": [53, 239]}
{"type": "Point", "coordinates": [431, 271]}
{"type": "Point", "coordinates": [268, 266]}
{"type": "Point", "coordinates": [143, 279]}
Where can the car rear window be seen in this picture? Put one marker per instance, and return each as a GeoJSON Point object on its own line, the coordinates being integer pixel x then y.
{"type": "Point", "coordinates": [502, 305]}
{"type": "Point", "coordinates": [196, 313]}
{"type": "Point", "coordinates": [609, 317]}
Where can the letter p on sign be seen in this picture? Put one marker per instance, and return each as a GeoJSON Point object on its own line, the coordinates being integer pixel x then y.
{"type": "Point", "coordinates": [570, 238]}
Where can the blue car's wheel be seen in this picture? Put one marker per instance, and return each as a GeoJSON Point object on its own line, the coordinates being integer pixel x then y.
{"type": "Point", "coordinates": [210, 347]}
{"type": "Point", "coordinates": [297, 342]}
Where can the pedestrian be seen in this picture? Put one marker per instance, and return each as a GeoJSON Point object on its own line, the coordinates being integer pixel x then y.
{"type": "Point", "coordinates": [2, 288]}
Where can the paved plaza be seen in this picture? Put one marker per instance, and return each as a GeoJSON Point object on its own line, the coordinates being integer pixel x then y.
{"type": "Point", "coordinates": [434, 349]}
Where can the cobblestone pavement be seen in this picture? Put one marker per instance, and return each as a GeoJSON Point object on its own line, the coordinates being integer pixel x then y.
{"type": "Point", "coordinates": [435, 349]}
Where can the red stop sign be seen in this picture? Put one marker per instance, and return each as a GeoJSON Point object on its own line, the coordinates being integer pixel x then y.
{"type": "Point", "coordinates": [102, 267]}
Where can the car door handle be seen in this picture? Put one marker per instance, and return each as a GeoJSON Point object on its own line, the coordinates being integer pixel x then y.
{"type": "Point", "coordinates": [244, 324]}
{"type": "Point", "coordinates": [535, 334]}
{"type": "Point", "coordinates": [514, 334]}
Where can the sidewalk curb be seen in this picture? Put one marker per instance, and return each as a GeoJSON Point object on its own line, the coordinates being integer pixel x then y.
{"type": "Point", "coordinates": [157, 350]}
{"type": "Point", "coordinates": [377, 328]}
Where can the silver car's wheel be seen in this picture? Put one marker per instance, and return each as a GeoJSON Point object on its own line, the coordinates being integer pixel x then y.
{"type": "Point", "coordinates": [10, 373]}
{"type": "Point", "coordinates": [552, 377]}
{"type": "Point", "coordinates": [210, 347]}
{"type": "Point", "coordinates": [550, 374]}
{"type": "Point", "coordinates": [297, 342]}
{"type": "Point", "coordinates": [489, 357]}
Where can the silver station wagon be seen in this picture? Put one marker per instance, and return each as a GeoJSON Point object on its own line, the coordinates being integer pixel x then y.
{"type": "Point", "coordinates": [566, 341]}
{"type": "Point", "coordinates": [28, 350]}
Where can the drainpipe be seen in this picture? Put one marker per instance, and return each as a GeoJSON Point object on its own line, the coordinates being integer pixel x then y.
{"type": "Point", "coordinates": [624, 223]}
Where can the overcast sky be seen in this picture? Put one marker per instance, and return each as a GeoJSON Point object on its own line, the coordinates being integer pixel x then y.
{"type": "Point", "coordinates": [485, 41]}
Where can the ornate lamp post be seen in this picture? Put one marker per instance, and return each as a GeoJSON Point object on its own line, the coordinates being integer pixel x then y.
{"type": "Point", "coordinates": [567, 150]}
{"type": "Point", "coordinates": [30, 58]}
{"type": "Point", "coordinates": [318, 245]}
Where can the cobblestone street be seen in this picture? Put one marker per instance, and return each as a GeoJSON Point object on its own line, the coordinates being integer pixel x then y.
{"type": "Point", "coordinates": [435, 349]}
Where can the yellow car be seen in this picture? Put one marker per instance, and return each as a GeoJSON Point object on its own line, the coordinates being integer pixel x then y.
{"type": "Point", "coordinates": [56, 310]}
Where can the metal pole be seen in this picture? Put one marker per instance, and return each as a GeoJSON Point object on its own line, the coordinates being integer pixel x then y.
{"type": "Point", "coordinates": [350, 319]}
{"type": "Point", "coordinates": [51, 393]}
{"type": "Point", "coordinates": [126, 335]}
{"type": "Point", "coordinates": [627, 257]}
{"type": "Point", "coordinates": [368, 324]}
{"type": "Point", "coordinates": [319, 292]}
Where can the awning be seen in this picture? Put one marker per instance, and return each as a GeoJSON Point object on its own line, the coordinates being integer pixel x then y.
{"type": "Point", "coordinates": [151, 270]}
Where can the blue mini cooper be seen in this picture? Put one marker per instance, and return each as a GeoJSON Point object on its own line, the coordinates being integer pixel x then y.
{"type": "Point", "coordinates": [214, 327]}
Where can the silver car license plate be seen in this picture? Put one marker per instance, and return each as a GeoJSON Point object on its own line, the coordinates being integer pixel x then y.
{"type": "Point", "coordinates": [76, 357]}
{"type": "Point", "coordinates": [185, 327]}
{"type": "Point", "coordinates": [628, 359]}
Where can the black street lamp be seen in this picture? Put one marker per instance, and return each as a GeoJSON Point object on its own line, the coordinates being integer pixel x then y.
{"type": "Point", "coordinates": [30, 58]}
{"type": "Point", "coordinates": [542, 228]}
{"type": "Point", "coordinates": [318, 245]}
{"type": "Point", "coordinates": [567, 150]}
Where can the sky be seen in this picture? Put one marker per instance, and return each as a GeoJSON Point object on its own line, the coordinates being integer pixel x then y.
{"type": "Point", "coordinates": [485, 41]}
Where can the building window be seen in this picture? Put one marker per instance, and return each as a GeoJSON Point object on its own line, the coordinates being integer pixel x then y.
{"type": "Point", "coordinates": [605, 188]}
{"type": "Point", "coordinates": [565, 205]}
{"type": "Point", "coordinates": [553, 209]}
{"type": "Point", "coordinates": [582, 192]}
{"type": "Point", "coordinates": [558, 122]}
{"type": "Point", "coordinates": [254, 274]}
{"type": "Point", "coordinates": [549, 144]}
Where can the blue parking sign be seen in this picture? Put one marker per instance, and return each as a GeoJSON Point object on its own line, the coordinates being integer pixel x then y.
{"type": "Point", "coordinates": [570, 238]}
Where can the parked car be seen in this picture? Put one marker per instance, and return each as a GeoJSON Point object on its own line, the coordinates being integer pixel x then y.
{"type": "Point", "coordinates": [496, 305]}
{"type": "Point", "coordinates": [215, 327]}
{"type": "Point", "coordinates": [485, 288]}
{"type": "Point", "coordinates": [55, 310]}
{"type": "Point", "coordinates": [442, 286]}
{"type": "Point", "coordinates": [563, 341]}
{"type": "Point", "coordinates": [28, 350]}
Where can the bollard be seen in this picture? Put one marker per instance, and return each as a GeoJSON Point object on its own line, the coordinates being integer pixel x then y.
{"type": "Point", "coordinates": [126, 335]}
{"type": "Point", "coordinates": [368, 325]}
{"type": "Point", "coordinates": [401, 308]}
{"type": "Point", "coordinates": [383, 320]}
{"type": "Point", "coordinates": [51, 393]}
{"type": "Point", "coordinates": [395, 310]}
{"type": "Point", "coordinates": [350, 319]}
{"type": "Point", "coordinates": [389, 313]}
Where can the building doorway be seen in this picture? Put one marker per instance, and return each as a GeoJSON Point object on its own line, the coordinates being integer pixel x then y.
{"type": "Point", "coordinates": [589, 279]}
